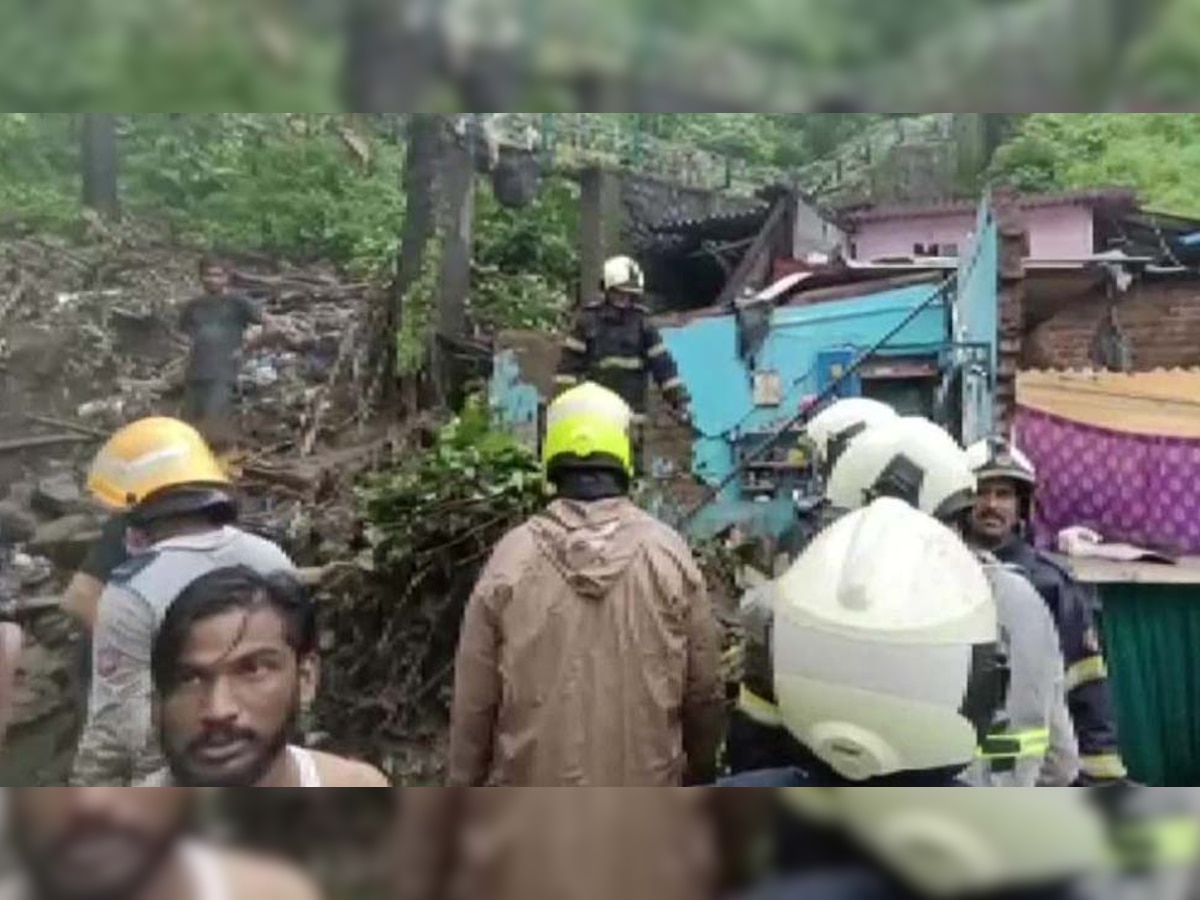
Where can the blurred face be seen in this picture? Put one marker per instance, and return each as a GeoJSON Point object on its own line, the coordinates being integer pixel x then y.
{"type": "Point", "coordinates": [238, 691]}
{"type": "Point", "coordinates": [96, 843]}
{"type": "Point", "coordinates": [621, 299]}
{"type": "Point", "coordinates": [215, 279]}
{"type": "Point", "coordinates": [997, 510]}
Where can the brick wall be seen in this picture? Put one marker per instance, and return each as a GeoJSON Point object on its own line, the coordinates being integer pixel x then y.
{"type": "Point", "coordinates": [1161, 321]}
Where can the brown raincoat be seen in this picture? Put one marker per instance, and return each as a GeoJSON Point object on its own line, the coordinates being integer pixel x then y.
{"type": "Point", "coordinates": [558, 844]}
{"type": "Point", "coordinates": [589, 655]}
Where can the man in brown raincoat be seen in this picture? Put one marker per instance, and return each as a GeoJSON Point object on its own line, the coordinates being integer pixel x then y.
{"type": "Point", "coordinates": [589, 652]}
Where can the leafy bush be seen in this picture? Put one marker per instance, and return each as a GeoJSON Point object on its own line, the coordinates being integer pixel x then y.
{"type": "Point", "coordinates": [1157, 154]}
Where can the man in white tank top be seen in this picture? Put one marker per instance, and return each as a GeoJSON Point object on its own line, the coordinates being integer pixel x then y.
{"type": "Point", "coordinates": [234, 663]}
{"type": "Point", "coordinates": [127, 844]}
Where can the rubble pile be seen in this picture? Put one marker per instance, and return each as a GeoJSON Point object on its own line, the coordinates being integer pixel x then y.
{"type": "Point", "coordinates": [88, 343]}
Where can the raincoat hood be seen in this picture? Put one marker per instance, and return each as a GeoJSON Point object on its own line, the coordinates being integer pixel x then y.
{"type": "Point", "coordinates": [582, 540]}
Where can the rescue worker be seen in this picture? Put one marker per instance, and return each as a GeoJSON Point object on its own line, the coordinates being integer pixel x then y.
{"type": "Point", "coordinates": [615, 344]}
{"type": "Point", "coordinates": [181, 510]}
{"type": "Point", "coordinates": [831, 431]}
{"type": "Point", "coordinates": [589, 652]}
{"type": "Point", "coordinates": [756, 735]}
{"type": "Point", "coordinates": [216, 323]}
{"type": "Point", "coordinates": [886, 656]}
{"type": "Point", "coordinates": [234, 662]}
{"type": "Point", "coordinates": [117, 844]}
{"type": "Point", "coordinates": [999, 524]}
{"type": "Point", "coordinates": [915, 460]}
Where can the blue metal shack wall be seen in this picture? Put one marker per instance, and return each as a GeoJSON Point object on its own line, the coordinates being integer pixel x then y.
{"type": "Point", "coordinates": [721, 384]}
{"type": "Point", "coordinates": [799, 341]}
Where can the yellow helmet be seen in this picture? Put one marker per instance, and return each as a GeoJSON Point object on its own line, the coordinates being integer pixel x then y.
{"type": "Point", "coordinates": [588, 425]}
{"type": "Point", "coordinates": [148, 457]}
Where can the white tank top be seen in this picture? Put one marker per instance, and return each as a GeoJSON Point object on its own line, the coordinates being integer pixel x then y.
{"type": "Point", "coordinates": [204, 870]}
{"type": "Point", "coordinates": [302, 759]}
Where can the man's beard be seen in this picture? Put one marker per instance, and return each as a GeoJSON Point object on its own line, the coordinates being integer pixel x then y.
{"type": "Point", "coordinates": [44, 866]}
{"type": "Point", "coordinates": [185, 774]}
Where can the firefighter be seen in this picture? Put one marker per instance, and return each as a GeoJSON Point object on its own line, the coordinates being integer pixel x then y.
{"type": "Point", "coordinates": [831, 430]}
{"type": "Point", "coordinates": [886, 656]}
{"type": "Point", "coordinates": [756, 735]}
{"type": "Point", "coordinates": [999, 524]}
{"type": "Point", "coordinates": [915, 460]}
{"type": "Point", "coordinates": [614, 343]}
{"type": "Point", "coordinates": [181, 510]}
{"type": "Point", "coordinates": [590, 620]}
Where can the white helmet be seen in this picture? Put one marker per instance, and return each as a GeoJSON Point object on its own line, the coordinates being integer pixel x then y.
{"type": "Point", "coordinates": [885, 646]}
{"type": "Point", "coordinates": [967, 843]}
{"type": "Point", "coordinates": [995, 457]}
{"type": "Point", "coordinates": [911, 459]}
{"type": "Point", "coordinates": [832, 429]}
{"type": "Point", "coordinates": [622, 273]}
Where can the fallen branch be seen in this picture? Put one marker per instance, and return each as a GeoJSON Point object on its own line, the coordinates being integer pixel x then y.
{"type": "Point", "coordinates": [47, 440]}
{"type": "Point", "coordinates": [69, 426]}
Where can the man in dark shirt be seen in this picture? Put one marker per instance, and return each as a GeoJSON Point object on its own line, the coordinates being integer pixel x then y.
{"type": "Point", "coordinates": [216, 324]}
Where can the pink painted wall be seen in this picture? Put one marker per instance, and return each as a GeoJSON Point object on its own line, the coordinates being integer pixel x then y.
{"type": "Point", "coordinates": [1055, 232]}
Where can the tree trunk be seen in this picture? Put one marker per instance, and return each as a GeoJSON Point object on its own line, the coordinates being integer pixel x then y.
{"type": "Point", "coordinates": [100, 164]}
{"type": "Point", "coordinates": [457, 207]}
{"type": "Point", "coordinates": [420, 191]}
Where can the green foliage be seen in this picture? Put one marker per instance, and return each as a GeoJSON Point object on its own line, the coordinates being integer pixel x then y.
{"type": "Point", "coordinates": [527, 260]}
{"type": "Point", "coordinates": [1158, 154]}
{"type": "Point", "coordinates": [38, 155]}
{"type": "Point", "coordinates": [444, 505]}
{"type": "Point", "coordinates": [161, 54]}
{"type": "Point", "coordinates": [283, 184]}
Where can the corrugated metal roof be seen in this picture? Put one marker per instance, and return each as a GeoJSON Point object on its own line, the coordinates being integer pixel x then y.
{"type": "Point", "coordinates": [1094, 197]}
{"type": "Point", "coordinates": [717, 222]}
{"type": "Point", "coordinates": [1164, 402]}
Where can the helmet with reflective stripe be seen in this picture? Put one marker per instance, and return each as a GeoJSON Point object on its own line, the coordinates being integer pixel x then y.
{"type": "Point", "coordinates": [832, 429]}
{"type": "Point", "coordinates": [995, 457]}
{"type": "Point", "coordinates": [588, 427]}
{"type": "Point", "coordinates": [151, 458]}
{"type": "Point", "coordinates": [909, 458]}
{"type": "Point", "coordinates": [978, 843]}
{"type": "Point", "coordinates": [885, 646]}
{"type": "Point", "coordinates": [622, 273]}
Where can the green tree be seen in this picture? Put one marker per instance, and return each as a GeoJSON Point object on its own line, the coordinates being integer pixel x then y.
{"type": "Point", "coordinates": [1157, 154]}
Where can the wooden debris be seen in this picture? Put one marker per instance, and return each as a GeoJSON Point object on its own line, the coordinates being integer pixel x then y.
{"type": "Point", "coordinates": [67, 425]}
{"type": "Point", "coordinates": [45, 440]}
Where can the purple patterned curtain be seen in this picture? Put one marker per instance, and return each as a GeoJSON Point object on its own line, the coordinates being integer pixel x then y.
{"type": "Point", "coordinates": [1133, 488]}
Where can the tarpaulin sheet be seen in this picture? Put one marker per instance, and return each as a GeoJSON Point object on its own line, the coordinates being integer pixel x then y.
{"type": "Point", "coordinates": [1135, 488]}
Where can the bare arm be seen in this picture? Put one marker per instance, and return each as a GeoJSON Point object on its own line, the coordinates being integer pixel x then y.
{"type": "Point", "coordinates": [10, 653]}
{"type": "Point", "coordinates": [81, 601]}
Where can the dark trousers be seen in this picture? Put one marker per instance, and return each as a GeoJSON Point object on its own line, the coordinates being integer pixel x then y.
{"type": "Point", "coordinates": [209, 406]}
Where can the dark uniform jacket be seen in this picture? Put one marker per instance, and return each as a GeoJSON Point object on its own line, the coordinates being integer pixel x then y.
{"type": "Point", "coordinates": [615, 347]}
{"type": "Point", "coordinates": [1072, 605]}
